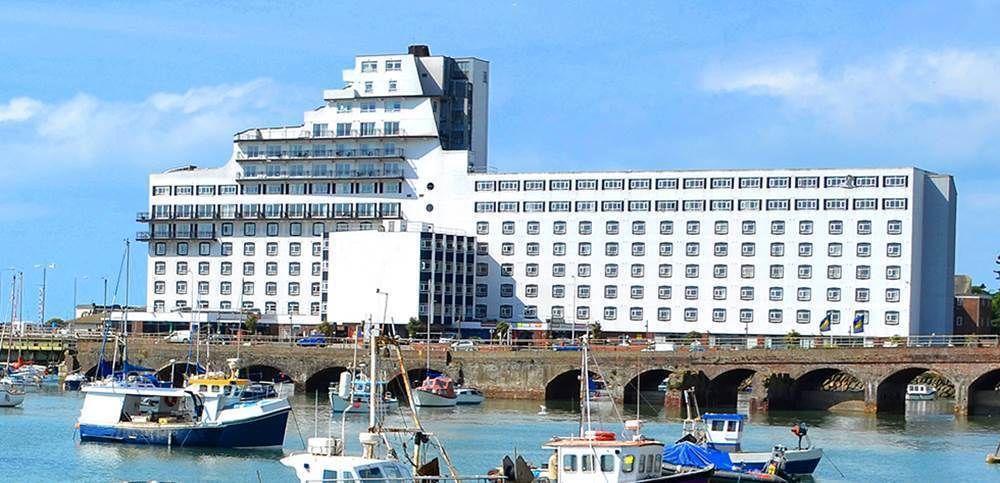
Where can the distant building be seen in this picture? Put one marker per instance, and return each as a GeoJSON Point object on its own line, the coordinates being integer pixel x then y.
{"type": "Point", "coordinates": [973, 313]}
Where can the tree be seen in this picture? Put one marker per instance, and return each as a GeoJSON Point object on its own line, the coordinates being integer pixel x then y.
{"type": "Point", "coordinates": [251, 322]}
{"type": "Point", "coordinates": [326, 329]}
{"type": "Point", "coordinates": [501, 330]}
{"type": "Point", "coordinates": [995, 311]}
{"type": "Point", "coordinates": [56, 322]}
{"type": "Point", "coordinates": [415, 327]}
{"type": "Point", "coordinates": [595, 331]}
{"type": "Point", "coordinates": [792, 338]}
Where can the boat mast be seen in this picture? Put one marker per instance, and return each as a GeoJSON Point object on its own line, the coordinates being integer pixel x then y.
{"type": "Point", "coordinates": [128, 281]}
{"type": "Point", "coordinates": [585, 425]}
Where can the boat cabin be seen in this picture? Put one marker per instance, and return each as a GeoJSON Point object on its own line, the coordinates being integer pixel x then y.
{"type": "Point", "coordinates": [724, 432]}
{"type": "Point", "coordinates": [325, 461]}
{"type": "Point", "coordinates": [441, 385]}
{"type": "Point", "coordinates": [138, 407]}
{"type": "Point", "coordinates": [601, 457]}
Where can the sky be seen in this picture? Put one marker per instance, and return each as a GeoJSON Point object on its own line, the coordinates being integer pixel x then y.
{"type": "Point", "coordinates": [95, 96]}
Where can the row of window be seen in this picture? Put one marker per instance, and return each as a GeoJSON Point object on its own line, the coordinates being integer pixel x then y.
{"type": "Point", "coordinates": [690, 314]}
{"type": "Point", "coordinates": [269, 307]}
{"type": "Point", "coordinates": [318, 149]}
{"type": "Point", "coordinates": [693, 249]}
{"type": "Point", "coordinates": [226, 288]}
{"type": "Point", "coordinates": [226, 268]}
{"type": "Point", "coordinates": [665, 292]}
{"type": "Point", "coordinates": [389, 65]}
{"type": "Point", "coordinates": [748, 182]}
{"type": "Point", "coordinates": [616, 206]}
{"type": "Point", "coordinates": [226, 249]}
{"type": "Point", "coordinates": [276, 210]}
{"type": "Point", "coordinates": [666, 227]}
{"type": "Point", "coordinates": [666, 270]}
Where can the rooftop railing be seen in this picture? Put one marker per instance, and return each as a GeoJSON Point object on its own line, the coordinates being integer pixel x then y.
{"type": "Point", "coordinates": [322, 154]}
{"type": "Point", "coordinates": [297, 132]}
{"type": "Point", "coordinates": [327, 174]}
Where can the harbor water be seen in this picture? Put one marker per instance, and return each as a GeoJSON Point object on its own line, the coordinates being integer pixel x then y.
{"type": "Point", "coordinates": [38, 442]}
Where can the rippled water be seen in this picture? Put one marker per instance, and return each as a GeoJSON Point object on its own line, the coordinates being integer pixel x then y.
{"type": "Point", "coordinates": [38, 443]}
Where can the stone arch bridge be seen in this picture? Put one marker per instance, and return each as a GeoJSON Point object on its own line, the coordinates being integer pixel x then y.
{"type": "Point", "coordinates": [775, 379]}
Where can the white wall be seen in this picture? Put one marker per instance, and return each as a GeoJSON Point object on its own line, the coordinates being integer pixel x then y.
{"type": "Point", "coordinates": [363, 261]}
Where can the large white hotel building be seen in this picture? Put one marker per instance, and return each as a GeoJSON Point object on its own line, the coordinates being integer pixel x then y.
{"type": "Point", "coordinates": [380, 201]}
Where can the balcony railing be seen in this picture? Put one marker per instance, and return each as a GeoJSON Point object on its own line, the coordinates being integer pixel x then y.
{"type": "Point", "coordinates": [297, 132]}
{"type": "Point", "coordinates": [142, 217]}
{"type": "Point", "coordinates": [323, 154]}
{"type": "Point", "coordinates": [330, 174]}
{"type": "Point", "coordinates": [142, 236]}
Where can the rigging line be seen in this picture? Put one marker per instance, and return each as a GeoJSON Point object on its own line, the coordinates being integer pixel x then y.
{"type": "Point", "coordinates": [597, 369]}
{"type": "Point", "coordinates": [299, 429]}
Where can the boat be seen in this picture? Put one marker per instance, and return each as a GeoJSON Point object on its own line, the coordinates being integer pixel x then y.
{"type": "Point", "coordinates": [352, 392]}
{"type": "Point", "coordinates": [11, 395]}
{"type": "Point", "coordinates": [593, 455]}
{"type": "Point", "coordinates": [325, 458]}
{"type": "Point", "coordinates": [469, 395]}
{"type": "Point", "coordinates": [74, 382]}
{"type": "Point", "coordinates": [685, 457]}
{"type": "Point", "coordinates": [920, 392]}
{"type": "Point", "coordinates": [994, 457]}
{"type": "Point", "coordinates": [211, 411]}
{"type": "Point", "coordinates": [724, 432]}
{"type": "Point", "coordinates": [435, 392]}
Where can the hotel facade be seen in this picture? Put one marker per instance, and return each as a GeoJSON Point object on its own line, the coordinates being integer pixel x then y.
{"type": "Point", "coordinates": [380, 204]}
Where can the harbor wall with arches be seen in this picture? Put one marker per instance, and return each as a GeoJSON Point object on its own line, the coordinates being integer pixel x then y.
{"type": "Point", "coordinates": [865, 379]}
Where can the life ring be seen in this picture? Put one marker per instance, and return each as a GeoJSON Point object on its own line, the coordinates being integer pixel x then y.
{"type": "Point", "coordinates": [171, 401]}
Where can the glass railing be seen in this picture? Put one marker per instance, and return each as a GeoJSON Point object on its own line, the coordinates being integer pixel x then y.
{"type": "Point", "coordinates": [354, 173]}
{"type": "Point", "coordinates": [296, 132]}
{"type": "Point", "coordinates": [323, 154]}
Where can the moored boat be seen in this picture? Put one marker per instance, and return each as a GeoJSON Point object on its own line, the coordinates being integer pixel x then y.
{"type": "Point", "coordinates": [211, 411]}
{"type": "Point", "coordinates": [920, 392]}
{"type": "Point", "coordinates": [435, 392]}
{"type": "Point", "coordinates": [74, 382]}
{"type": "Point", "coordinates": [10, 394]}
{"type": "Point", "coordinates": [353, 391]}
{"type": "Point", "coordinates": [468, 395]}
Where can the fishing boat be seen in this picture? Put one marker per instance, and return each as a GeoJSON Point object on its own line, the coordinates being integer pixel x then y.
{"type": "Point", "coordinates": [724, 433]}
{"type": "Point", "coordinates": [685, 457]}
{"type": "Point", "coordinates": [468, 395]}
{"type": "Point", "coordinates": [593, 455]}
{"type": "Point", "coordinates": [325, 458]}
{"type": "Point", "coordinates": [211, 411]}
{"type": "Point", "coordinates": [920, 392]}
{"type": "Point", "coordinates": [351, 394]}
{"type": "Point", "coordinates": [10, 394]}
{"type": "Point", "coordinates": [435, 392]}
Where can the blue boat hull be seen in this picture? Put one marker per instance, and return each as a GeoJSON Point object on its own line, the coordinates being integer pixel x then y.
{"type": "Point", "coordinates": [262, 432]}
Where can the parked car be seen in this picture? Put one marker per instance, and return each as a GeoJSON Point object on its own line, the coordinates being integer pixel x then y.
{"type": "Point", "coordinates": [566, 346]}
{"type": "Point", "coordinates": [463, 345]}
{"type": "Point", "coordinates": [312, 341]}
{"type": "Point", "coordinates": [179, 336]}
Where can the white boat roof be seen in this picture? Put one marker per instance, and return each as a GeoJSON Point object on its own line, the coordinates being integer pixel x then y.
{"type": "Point", "coordinates": [334, 461]}
{"type": "Point", "coordinates": [127, 390]}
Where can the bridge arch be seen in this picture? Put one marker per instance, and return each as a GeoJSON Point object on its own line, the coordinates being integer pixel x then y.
{"type": "Point", "coordinates": [819, 388]}
{"type": "Point", "coordinates": [177, 372]}
{"type": "Point", "coordinates": [265, 373]}
{"type": "Point", "coordinates": [563, 390]}
{"type": "Point", "coordinates": [890, 394]}
{"type": "Point", "coordinates": [723, 390]}
{"type": "Point", "coordinates": [320, 380]}
{"type": "Point", "coordinates": [984, 394]}
{"type": "Point", "coordinates": [645, 387]}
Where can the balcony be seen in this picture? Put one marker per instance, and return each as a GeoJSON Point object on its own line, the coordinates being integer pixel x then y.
{"type": "Point", "coordinates": [142, 217]}
{"type": "Point", "coordinates": [396, 153]}
{"type": "Point", "coordinates": [328, 174]}
{"type": "Point", "coordinates": [297, 132]}
{"type": "Point", "coordinates": [142, 236]}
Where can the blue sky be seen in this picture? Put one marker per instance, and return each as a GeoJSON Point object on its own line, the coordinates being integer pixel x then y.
{"type": "Point", "coordinates": [94, 97]}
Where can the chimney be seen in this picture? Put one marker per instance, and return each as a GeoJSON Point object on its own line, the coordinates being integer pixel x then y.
{"type": "Point", "coordinates": [419, 51]}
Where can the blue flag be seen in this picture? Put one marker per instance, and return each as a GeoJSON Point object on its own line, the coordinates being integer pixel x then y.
{"type": "Point", "coordinates": [824, 325]}
{"type": "Point", "coordinates": [859, 324]}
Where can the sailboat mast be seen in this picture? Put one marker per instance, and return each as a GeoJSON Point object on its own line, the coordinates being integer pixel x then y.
{"type": "Point", "coordinates": [372, 363]}
{"type": "Point", "coordinates": [586, 378]}
{"type": "Point", "coordinates": [128, 282]}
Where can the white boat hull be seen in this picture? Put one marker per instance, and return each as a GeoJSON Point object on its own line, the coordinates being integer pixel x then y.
{"type": "Point", "coordinates": [469, 398]}
{"type": "Point", "coordinates": [424, 399]}
{"type": "Point", "coordinates": [920, 397]}
{"type": "Point", "coordinates": [10, 399]}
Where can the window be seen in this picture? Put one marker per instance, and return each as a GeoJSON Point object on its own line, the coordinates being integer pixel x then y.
{"type": "Point", "coordinates": [777, 227]}
{"type": "Point", "coordinates": [777, 271]}
{"type": "Point", "coordinates": [747, 249]}
{"type": "Point", "coordinates": [611, 270]}
{"type": "Point", "coordinates": [584, 249]}
{"type": "Point", "coordinates": [666, 228]}
{"type": "Point", "coordinates": [666, 270]}
{"type": "Point", "coordinates": [802, 316]}
{"type": "Point", "coordinates": [507, 228]}
{"type": "Point", "coordinates": [777, 249]}
{"type": "Point", "coordinates": [834, 272]}
{"type": "Point", "coordinates": [865, 204]}
{"type": "Point", "coordinates": [746, 293]}
{"type": "Point", "coordinates": [586, 184]}
{"type": "Point", "coordinates": [692, 249]}
{"type": "Point", "coordinates": [892, 318]}
{"type": "Point", "coordinates": [722, 183]}
{"type": "Point", "coordinates": [666, 183]}
{"type": "Point", "coordinates": [778, 182]}
{"type": "Point", "coordinates": [694, 205]}
{"type": "Point", "coordinates": [835, 249]}
{"type": "Point", "coordinates": [805, 272]}
{"type": "Point", "coordinates": [611, 249]}
{"type": "Point", "coordinates": [833, 294]}
{"type": "Point", "coordinates": [774, 316]}
{"type": "Point", "coordinates": [690, 314]}
{"type": "Point", "coordinates": [862, 295]}
{"type": "Point", "coordinates": [638, 228]}
{"type": "Point", "coordinates": [559, 270]}
{"type": "Point", "coordinates": [559, 185]}
{"type": "Point", "coordinates": [894, 250]}
{"type": "Point", "coordinates": [751, 183]}
{"type": "Point", "coordinates": [718, 315]}
{"type": "Point", "coordinates": [639, 184]}
{"type": "Point", "coordinates": [693, 228]}
{"type": "Point", "coordinates": [894, 227]}
{"type": "Point", "coordinates": [694, 183]}
{"type": "Point", "coordinates": [611, 228]}
{"type": "Point", "coordinates": [746, 316]}
{"type": "Point", "coordinates": [810, 204]}
{"type": "Point", "coordinates": [583, 270]}
{"type": "Point", "coordinates": [892, 295]}
{"type": "Point", "coordinates": [805, 249]}
{"type": "Point", "coordinates": [583, 291]}
{"type": "Point", "coordinates": [530, 269]}
{"type": "Point", "coordinates": [746, 271]}
{"type": "Point", "coordinates": [482, 228]}
{"type": "Point", "coordinates": [691, 271]}
{"type": "Point", "coordinates": [610, 313]}
{"type": "Point", "coordinates": [638, 249]}
{"type": "Point", "coordinates": [835, 204]}
{"type": "Point", "coordinates": [182, 268]}
{"type": "Point", "coordinates": [721, 249]}
{"type": "Point", "coordinates": [864, 227]}
{"type": "Point", "coordinates": [533, 249]}
{"type": "Point", "coordinates": [749, 227]}
{"type": "Point", "coordinates": [663, 314]}
{"type": "Point", "coordinates": [182, 248]}
{"type": "Point", "coordinates": [558, 227]}
{"type": "Point", "coordinates": [803, 294]}
{"type": "Point", "coordinates": [719, 293]}
{"type": "Point", "coordinates": [807, 182]}
{"type": "Point", "coordinates": [507, 270]}
{"type": "Point", "coordinates": [776, 294]}
{"type": "Point", "coordinates": [612, 184]}
{"type": "Point", "coordinates": [558, 249]}
{"type": "Point", "coordinates": [666, 205]}
{"type": "Point", "coordinates": [836, 227]}
{"type": "Point", "coordinates": [664, 292]}
{"type": "Point", "coordinates": [894, 181]}
{"type": "Point", "coordinates": [892, 272]}
{"type": "Point", "coordinates": [638, 270]}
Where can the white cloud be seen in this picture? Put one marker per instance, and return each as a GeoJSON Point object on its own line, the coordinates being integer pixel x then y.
{"type": "Point", "coordinates": [19, 109]}
{"type": "Point", "coordinates": [165, 128]}
{"type": "Point", "coordinates": [958, 90]}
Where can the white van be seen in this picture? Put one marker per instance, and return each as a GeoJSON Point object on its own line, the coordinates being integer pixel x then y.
{"type": "Point", "coordinates": [178, 336]}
